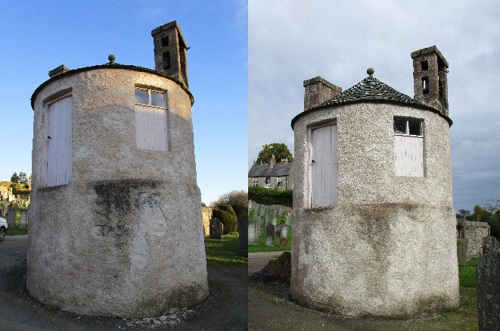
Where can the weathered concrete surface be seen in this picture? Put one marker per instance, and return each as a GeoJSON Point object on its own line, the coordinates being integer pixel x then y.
{"type": "Point", "coordinates": [19, 312]}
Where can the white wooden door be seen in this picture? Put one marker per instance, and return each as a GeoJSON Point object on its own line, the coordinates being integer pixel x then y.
{"type": "Point", "coordinates": [323, 166]}
{"type": "Point", "coordinates": [151, 128]}
{"type": "Point", "coordinates": [409, 156]}
{"type": "Point", "coordinates": [59, 141]}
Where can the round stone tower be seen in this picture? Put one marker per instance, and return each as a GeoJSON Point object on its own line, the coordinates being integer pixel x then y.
{"type": "Point", "coordinates": [116, 212]}
{"type": "Point", "coordinates": [374, 226]}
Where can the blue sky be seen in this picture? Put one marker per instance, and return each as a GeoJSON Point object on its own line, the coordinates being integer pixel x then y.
{"type": "Point", "coordinates": [291, 41]}
{"type": "Point", "coordinates": [37, 36]}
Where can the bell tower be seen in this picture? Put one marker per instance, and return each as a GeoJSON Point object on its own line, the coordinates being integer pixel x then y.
{"type": "Point", "coordinates": [170, 51]}
{"type": "Point", "coordinates": [430, 82]}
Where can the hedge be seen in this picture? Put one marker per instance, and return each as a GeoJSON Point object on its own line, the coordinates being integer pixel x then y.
{"type": "Point", "coordinates": [227, 218]}
{"type": "Point", "coordinates": [268, 196]}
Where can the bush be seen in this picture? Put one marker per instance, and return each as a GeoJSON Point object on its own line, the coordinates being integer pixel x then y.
{"type": "Point", "coordinates": [267, 196]}
{"type": "Point", "coordinates": [227, 218]}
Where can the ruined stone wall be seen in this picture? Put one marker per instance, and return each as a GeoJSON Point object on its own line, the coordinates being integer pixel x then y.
{"type": "Point", "coordinates": [124, 237]}
{"type": "Point", "coordinates": [474, 232]}
{"type": "Point", "coordinates": [388, 246]}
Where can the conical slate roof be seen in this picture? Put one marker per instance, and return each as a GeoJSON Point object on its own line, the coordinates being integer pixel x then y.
{"type": "Point", "coordinates": [369, 89]}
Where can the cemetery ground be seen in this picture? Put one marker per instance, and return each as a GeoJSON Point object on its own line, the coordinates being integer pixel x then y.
{"type": "Point", "coordinates": [225, 309]}
{"type": "Point", "coordinates": [270, 307]}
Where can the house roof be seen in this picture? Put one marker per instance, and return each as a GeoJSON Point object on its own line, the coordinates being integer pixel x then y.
{"type": "Point", "coordinates": [264, 170]}
{"type": "Point", "coordinates": [369, 89]}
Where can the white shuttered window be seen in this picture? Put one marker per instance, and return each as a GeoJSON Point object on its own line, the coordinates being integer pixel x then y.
{"type": "Point", "coordinates": [409, 147]}
{"type": "Point", "coordinates": [59, 142]}
{"type": "Point", "coordinates": [151, 120]}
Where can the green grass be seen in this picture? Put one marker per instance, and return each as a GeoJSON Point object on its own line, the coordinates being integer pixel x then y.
{"type": "Point", "coordinates": [225, 251]}
{"type": "Point", "coordinates": [16, 231]}
{"type": "Point", "coordinates": [261, 247]}
{"type": "Point", "coordinates": [467, 274]}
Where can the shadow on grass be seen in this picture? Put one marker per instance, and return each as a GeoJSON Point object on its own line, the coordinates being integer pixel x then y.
{"type": "Point", "coordinates": [225, 251]}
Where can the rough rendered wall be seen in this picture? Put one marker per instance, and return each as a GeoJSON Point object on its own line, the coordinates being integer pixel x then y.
{"type": "Point", "coordinates": [388, 247]}
{"type": "Point", "coordinates": [124, 237]}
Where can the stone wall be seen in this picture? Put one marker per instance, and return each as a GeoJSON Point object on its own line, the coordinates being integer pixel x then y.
{"type": "Point", "coordinates": [474, 232]}
{"type": "Point", "coordinates": [206, 215]}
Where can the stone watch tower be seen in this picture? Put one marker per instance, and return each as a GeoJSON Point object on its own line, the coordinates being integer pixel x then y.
{"type": "Point", "coordinates": [374, 227]}
{"type": "Point", "coordinates": [170, 51]}
{"type": "Point", "coordinates": [116, 211]}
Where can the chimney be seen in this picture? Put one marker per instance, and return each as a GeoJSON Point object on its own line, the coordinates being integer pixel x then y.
{"type": "Point", "coordinates": [272, 161]}
{"type": "Point", "coordinates": [170, 51]}
{"type": "Point", "coordinates": [59, 70]}
{"type": "Point", "coordinates": [317, 91]}
{"type": "Point", "coordinates": [430, 82]}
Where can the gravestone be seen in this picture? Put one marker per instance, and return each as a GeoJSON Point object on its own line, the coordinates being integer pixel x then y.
{"type": "Point", "coordinates": [274, 220]}
{"type": "Point", "coordinates": [462, 246]}
{"type": "Point", "coordinates": [266, 217]}
{"type": "Point", "coordinates": [284, 236]}
{"type": "Point", "coordinates": [488, 287]}
{"type": "Point", "coordinates": [270, 235]}
{"type": "Point", "coordinates": [288, 219]}
{"type": "Point", "coordinates": [215, 228]}
{"type": "Point", "coordinates": [11, 216]}
{"type": "Point", "coordinates": [262, 210]}
{"type": "Point", "coordinates": [254, 230]}
{"type": "Point", "coordinates": [23, 220]}
{"type": "Point", "coordinates": [250, 205]}
{"type": "Point", "coordinates": [243, 235]}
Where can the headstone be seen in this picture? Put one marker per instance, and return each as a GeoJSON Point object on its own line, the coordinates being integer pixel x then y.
{"type": "Point", "coordinates": [243, 234]}
{"type": "Point", "coordinates": [262, 210]}
{"type": "Point", "coordinates": [11, 216]}
{"type": "Point", "coordinates": [462, 246]}
{"type": "Point", "coordinates": [266, 217]}
{"type": "Point", "coordinates": [253, 238]}
{"type": "Point", "coordinates": [250, 205]}
{"type": "Point", "coordinates": [23, 220]}
{"type": "Point", "coordinates": [283, 242]}
{"type": "Point", "coordinates": [488, 287]}
{"type": "Point", "coordinates": [284, 231]}
{"type": "Point", "coordinates": [270, 235]}
{"type": "Point", "coordinates": [274, 220]}
{"type": "Point", "coordinates": [215, 228]}
{"type": "Point", "coordinates": [288, 219]}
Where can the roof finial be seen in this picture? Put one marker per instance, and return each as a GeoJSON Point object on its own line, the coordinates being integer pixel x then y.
{"type": "Point", "coordinates": [111, 58]}
{"type": "Point", "coordinates": [370, 72]}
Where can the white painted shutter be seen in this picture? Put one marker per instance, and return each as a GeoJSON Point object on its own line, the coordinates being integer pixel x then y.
{"type": "Point", "coordinates": [151, 128]}
{"type": "Point", "coordinates": [59, 140]}
{"type": "Point", "coordinates": [324, 166]}
{"type": "Point", "coordinates": [409, 156]}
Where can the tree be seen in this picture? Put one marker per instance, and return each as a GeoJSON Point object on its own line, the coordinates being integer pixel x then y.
{"type": "Point", "coordinates": [15, 178]}
{"type": "Point", "coordinates": [239, 198]}
{"type": "Point", "coordinates": [279, 150]}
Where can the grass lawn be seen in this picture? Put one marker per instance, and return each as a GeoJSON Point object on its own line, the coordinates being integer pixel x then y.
{"type": "Point", "coordinates": [261, 247]}
{"type": "Point", "coordinates": [16, 231]}
{"type": "Point", "coordinates": [225, 251]}
{"type": "Point", "coordinates": [467, 274]}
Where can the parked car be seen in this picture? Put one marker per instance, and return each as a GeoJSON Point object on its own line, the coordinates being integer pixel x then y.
{"type": "Point", "coordinates": [3, 228]}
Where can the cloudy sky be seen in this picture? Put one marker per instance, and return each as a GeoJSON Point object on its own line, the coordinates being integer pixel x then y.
{"type": "Point", "coordinates": [37, 36]}
{"type": "Point", "coordinates": [290, 41]}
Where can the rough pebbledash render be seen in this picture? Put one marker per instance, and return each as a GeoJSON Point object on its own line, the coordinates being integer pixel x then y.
{"type": "Point", "coordinates": [120, 233]}
{"type": "Point", "coordinates": [386, 246]}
